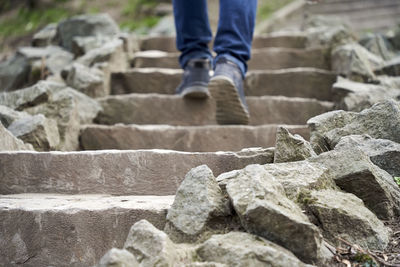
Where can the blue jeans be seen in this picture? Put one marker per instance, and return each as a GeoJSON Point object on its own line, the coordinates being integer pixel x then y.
{"type": "Point", "coordinates": [234, 34]}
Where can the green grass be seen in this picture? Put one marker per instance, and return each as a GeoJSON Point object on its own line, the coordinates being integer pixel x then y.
{"type": "Point", "coordinates": [397, 180]}
{"type": "Point", "coordinates": [28, 20]}
{"type": "Point", "coordinates": [267, 7]}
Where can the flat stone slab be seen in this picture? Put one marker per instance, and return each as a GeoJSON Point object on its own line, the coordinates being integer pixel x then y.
{"type": "Point", "coordinates": [296, 82]}
{"type": "Point", "coordinates": [65, 230]}
{"type": "Point", "coordinates": [277, 39]}
{"type": "Point", "coordinates": [145, 172]}
{"type": "Point", "coordinates": [175, 110]}
{"type": "Point", "coordinates": [182, 138]}
{"type": "Point", "coordinates": [261, 59]}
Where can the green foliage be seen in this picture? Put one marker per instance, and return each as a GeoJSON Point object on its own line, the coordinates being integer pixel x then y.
{"type": "Point", "coordinates": [397, 180]}
{"type": "Point", "coordinates": [29, 20]}
{"type": "Point", "coordinates": [305, 198]}
{"type": "Point", "coordinates": [267, 7]}
{"type": "Point", "coordinates": [133, 16]}
{"type": "Point", "coordinates": [365, 259]}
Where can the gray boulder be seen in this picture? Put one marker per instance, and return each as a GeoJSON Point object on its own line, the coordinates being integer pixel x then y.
{"type": "Point", "coordinates": [8, 115]}
{"type": "Point", "coordinates": [243, 249]}
{"type": "Point", "coordinates": [153, 247]}
{"type": "Point", "coordinates": [198, 200]}
{"type": "Point", "coordinates": [355, 96]}
{"type": "Point", "coordinates": [290, 147]}
{"type": "Point", "coordinates": [46, 36]}
{"type": "Point", "coordinates": [85, 25]}
{"type": "Point", "coordinates": [383, 153]}
{"type": "Point", "coordinates": [329, 36]}
{"type": "Point", "coordinates": [355, 62]}
{"type": "Point", "coordinates": [353, 172]}
{"type": "Point", "coordinates": [379, 45]}
{"type": "Point", "coordinates": [206, 264]}
{"type": "Point", "coordinates": [382, 120]}
{"type": "Point", "coordinates": [37, 130]}
{"type": "Point", "coordinates": [8, 142]}
{"type": "Point", "coordinates": [83, 44]}
{"type": "Point", "coordinates": [344, 215]}
{"type": "Point", "coordinates": [263, 208]}
{"type": "Point", "coordinates": [118, 258]}
{"type": "Point", "coordinates": [14, 73]}
{"type": "Point", "coordinates": [86, 80]}
{"type": "Point", "coordinates": [391, 67]}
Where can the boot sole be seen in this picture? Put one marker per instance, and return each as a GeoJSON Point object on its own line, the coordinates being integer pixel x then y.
{"type": "Point", "coordinates": [230, 109]}
{"type": "Point", "coordinates": [196, 92]}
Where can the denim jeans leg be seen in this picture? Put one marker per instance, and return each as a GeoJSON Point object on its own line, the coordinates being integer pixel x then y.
{"type": "Point", "coordinates": [193, 32]}
{"type": "Point", "coordinates": [235, 31]}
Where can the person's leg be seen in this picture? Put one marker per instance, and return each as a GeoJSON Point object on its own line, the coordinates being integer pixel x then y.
{"type": "Point", "coordinates": [233, 47]}
{"type": "Point", "coordinates": [193, 34]}
{"type": "Point", "coordinates": [235, 31]}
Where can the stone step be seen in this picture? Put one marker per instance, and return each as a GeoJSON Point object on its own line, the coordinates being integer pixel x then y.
{"type": "Point", "coordinates": [262, 59]}
{"type": "Point", "coordinates": [278, 39]}
{"type": "Point", "coordinates": [339, 7]}
{"type": "Point", "coordinates": [175, 110]}
{"type": "Point", "coordinates": [182, 138]}
{"type": "Point", "coordinates": [139, 172]}
{"type": "Point", "coordinates": [64, 230]}
{"type": "Point", "coordinates": [297, 82]}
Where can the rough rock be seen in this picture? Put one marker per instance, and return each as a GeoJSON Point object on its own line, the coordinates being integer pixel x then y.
{"type": "Point", "coordinates": [111, 52]}
{"type": "Point", "coordinates": [8, 115]}
{"type": "Point", "coordinates": [46, 36]}
{"type": "Point", "coordinates": [206, 264]}
{"type": "Point", "coordinates": [383, 153]}
{"type": "Point", "coordinates": [198, 200]}
{"type": "Point", "coordinates": [243, 249]}
{"type": "Point", "coordinates": [8, 142]}
{"type": "Point", "coordinates": [354, 173]}
{"type": "Point", "coordinates": [259, 200]}
{"type": "Point", "coordinates": [344, 215]}
{"type": "Point", "coordinates": [391, 67]}
{"type": "Point", "coordinates": [86, 80]}
{"type": "Point", "coordinates": [14, 73]}
{"type": "Point", "coordinates": [37, 130]}
{"type": "Point", "coordinates": [153, 247]}
{"type": "Point", "coordinates": [291, 147]}
{"type": "Point", "coordinates": [85, 25]}
{"type": "Point", "coordinates": [355, 62]}
{"type": "Point", "coordinates": [379, 45]}
{"type": "Point", "coordinates": [83, 44]}
{"type": "Point", "coordinates": [118, 258]}
{"type": "Point", "coordinates": [329, 36]}
{"type": "Point", "coordinates": [355, 96]}
{"type": "Point", "coordinates": [382, 120]}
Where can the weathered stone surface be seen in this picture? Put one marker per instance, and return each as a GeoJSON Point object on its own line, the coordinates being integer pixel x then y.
{"type": "Point", "coordinates": [85, 25]}
{"type": "Point", "coordinates": [111, 52]}
{"type": "Point", "coordinates": [355, 62]}
{"type": "Point", "coordinates": [87, 80]}
{"type": "Point", "coordinates": [383, 153]}
{"type": "Point", "coordinates": [391, 67]}
{"type": "Point", "coordinates": [37, 130]}
{"type": "Point", "coordinates": [37, 229]}
{"type": "Point", "coordinates": [344, 215]}
{"type": "Point", "coordinates": [118, 258]}
{"type": "Point", "coordinates": [197, 201]}
{"type": "Point", "coordinates": [259, 200]}
{"type": "Point", "coordinates": [329, 36]}
{"type": "Point", "coordinates": [183, 138]}
{"type": "Point", "coordinates": [153, 247]}
{"type": "Point", "coordinates": [298, 82]}
{"type": "Point", "coordinates": [382, 120]}
{"type": "Point", "coordinates": [8, 115]}
{"type": "Point", "coordinates": [261, 59]}
{"type": "Point", "coordinates": [243, 249]}
{"type": "Point", "coordinates": [8, 142]}
{"type": "Point", "coordinates": [83, 44]}
{"type": "Point", "coordinates": [355, 96]}
{"type": "Point", "coordinates": [290, 147]}
{"type": "Point", "coordinates": [206, 264]}
{"type": "Point", "coordinates": [379, 45]}
{"type": "Point", "coordinates": [113, 172]}
{"type": "Point", "coordinates": [14, 73]}
{"type": "Point", "coordinates": [46, 36]}
{"type": "Point", "coordinates": [138, 109]}
{"type": "Point", "coordinates": [353, 172]}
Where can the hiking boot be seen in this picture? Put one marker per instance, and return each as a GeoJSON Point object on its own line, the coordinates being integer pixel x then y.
{"type": "Point", "coordinates": [226, 87]}
{"type": "Point", "coordinates": [195, 79]}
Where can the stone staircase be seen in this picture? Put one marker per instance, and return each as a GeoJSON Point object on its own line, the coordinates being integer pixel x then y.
{"type": "Point", "coordinates": [69, 208]}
